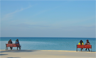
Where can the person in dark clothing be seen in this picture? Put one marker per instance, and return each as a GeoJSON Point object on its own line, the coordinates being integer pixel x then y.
{"type": "Point", "coordinates": [81, 43]}
{"type": "Point", "coordinates": [87, 43]}
{"type": "Point", "coordinates": [10, 42]}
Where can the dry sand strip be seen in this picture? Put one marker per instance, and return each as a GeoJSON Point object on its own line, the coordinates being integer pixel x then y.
{"type": "Point", "coordinates": [45, 54]}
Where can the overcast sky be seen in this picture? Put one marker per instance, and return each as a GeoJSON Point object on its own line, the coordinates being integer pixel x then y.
{"type": "Point", "coordinates": [47, 18]}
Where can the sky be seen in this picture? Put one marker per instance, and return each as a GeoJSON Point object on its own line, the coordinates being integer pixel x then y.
{"type": "Point", "coordinates": [53, 18]}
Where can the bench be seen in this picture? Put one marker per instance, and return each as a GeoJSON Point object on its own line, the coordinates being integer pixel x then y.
{"type": "Point", "coordinates": [13, 45]}
{"type": "Point", "coordinates": [83, 46]}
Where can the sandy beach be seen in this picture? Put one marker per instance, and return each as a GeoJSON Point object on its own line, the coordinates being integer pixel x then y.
{"type": "Point", "coordinates": [46, 54]}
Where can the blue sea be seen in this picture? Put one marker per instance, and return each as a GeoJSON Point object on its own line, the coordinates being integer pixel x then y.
{"type": "Point", "coordinates": [47, 43]}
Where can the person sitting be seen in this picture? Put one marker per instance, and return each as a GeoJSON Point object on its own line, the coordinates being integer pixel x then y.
{"type": "Point", "coordinates": [10, 42]}
{"type": "Point", "coordinates": [81, 43]}
{"type": "Point", "coordinates": [17, 42]}
{"type": "Point", "coordinates": [87, 43]}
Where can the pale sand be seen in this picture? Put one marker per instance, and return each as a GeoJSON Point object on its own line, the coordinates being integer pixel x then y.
{"type": "Point", "coordinates": [46, 54]}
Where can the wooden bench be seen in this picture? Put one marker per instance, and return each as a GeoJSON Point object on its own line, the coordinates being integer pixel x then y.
{"type": "Point", "coordinates": [13, 45]}
{"type": "Point", "coordinates": [83, 46]}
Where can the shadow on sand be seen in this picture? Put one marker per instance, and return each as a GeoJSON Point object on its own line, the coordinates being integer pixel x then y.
{"type": "Point", "coordinates": [18, 51]}
{"type": "Point", "coordinates": [3, 54]}
{"type": "Point", "coordinates": [85, 51]}
{"type": "Point", "coordinates": [13, 57]}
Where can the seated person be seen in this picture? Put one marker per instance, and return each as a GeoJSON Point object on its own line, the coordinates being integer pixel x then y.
{"type": "Point", "coordinates": [17, 42]}
{"type": "Point", "coordinates": [87, 43]}
{"type": "Point", "coordinates": [81, 43]}
{"type": "Point", "coordinates": [10, 42]}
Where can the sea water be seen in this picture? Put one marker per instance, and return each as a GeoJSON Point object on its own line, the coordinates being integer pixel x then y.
{"type": "Point", "coordinates": [47, 43]}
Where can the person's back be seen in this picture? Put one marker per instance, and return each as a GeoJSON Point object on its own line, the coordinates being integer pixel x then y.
{"type": "Point", "coordinates": [81, 43]}
{"type": "Point", "coordinates": [17, 41]}
{"type": "Point", "coordinates": [87, 43]}
{"type": "Point", "coordinates": [10, 42]}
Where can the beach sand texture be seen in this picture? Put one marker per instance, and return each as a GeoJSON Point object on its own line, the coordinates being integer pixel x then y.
{"type": "Point", "coordinates": [46, 54]}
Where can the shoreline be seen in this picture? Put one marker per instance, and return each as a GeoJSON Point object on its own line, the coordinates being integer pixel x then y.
{"type": "Point", "coordinates": [46, 54]}
{"type": "Point", "coordinates": [47, 50]}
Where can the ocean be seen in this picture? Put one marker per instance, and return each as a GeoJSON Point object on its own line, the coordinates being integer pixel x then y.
{"type": "Point", "coordinates": [47, 43]}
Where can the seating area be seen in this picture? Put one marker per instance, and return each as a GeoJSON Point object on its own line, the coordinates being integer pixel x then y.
{"type": "Point", "coordinates": [83, 46]}
{"type": "Point", "coordinates": [13, 45]}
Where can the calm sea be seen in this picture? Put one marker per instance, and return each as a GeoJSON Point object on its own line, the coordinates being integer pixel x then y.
{"type": "Point", "coordinates": [47, 43]}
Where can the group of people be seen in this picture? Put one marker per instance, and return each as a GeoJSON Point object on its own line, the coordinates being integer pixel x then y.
{"type": "Point", "coordinates": [87, 43]}
{"type": "Point", "coordinates": [10, 42]}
